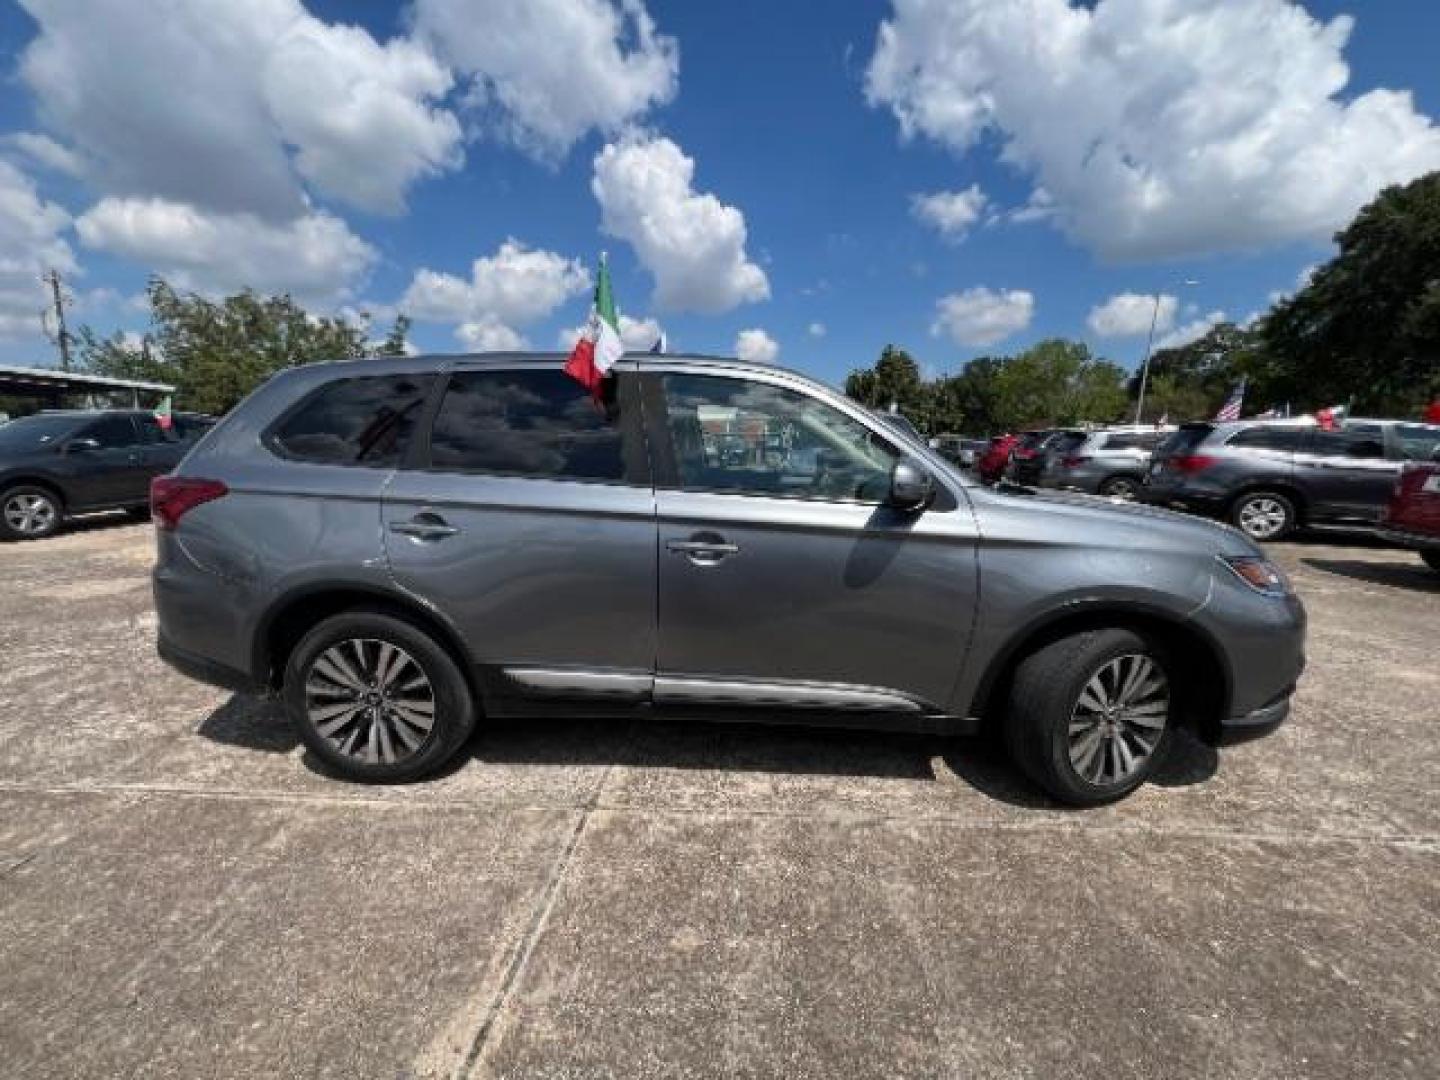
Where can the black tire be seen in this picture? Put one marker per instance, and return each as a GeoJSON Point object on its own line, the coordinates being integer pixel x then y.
{"type": "Point", "coordinates": [1121, 487]}
{"type": "Point", "coordinates": [452, 706]}
{"type": "Point", "coordinates": [138, 513]}
{"type": "Point", "coordinates": [1264, 516]}
{"type": "Point", "coordinates": [28, 512]}
{"type": "Point", "coordinates": [1045, 700]}
{"type": "Point", "coordinates": [1432, 560]}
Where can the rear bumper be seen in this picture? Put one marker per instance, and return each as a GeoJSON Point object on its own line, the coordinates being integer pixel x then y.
{"type": "Point", "coordinates": [203, 669]}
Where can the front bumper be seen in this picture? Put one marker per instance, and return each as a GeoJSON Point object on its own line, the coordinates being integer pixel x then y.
{"type": "Point", "coordinates": [1256, 723]}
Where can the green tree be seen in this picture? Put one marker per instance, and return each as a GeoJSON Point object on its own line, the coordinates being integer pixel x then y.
{"type": "Point", "coordinates": [217, 351]}
{"type": "Point", "coordinates": [1058, 382]}
{"type": "Point", "coordinates": [1191, 381]}
{"type": "Point", "coordinates": [1367, 326]}
{"type": "Point", "coordinates": [396, 342]}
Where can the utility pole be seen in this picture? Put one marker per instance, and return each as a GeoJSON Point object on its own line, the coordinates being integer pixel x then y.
{"type": "Point", "coordinates": [1149, 349]}
{"type": "Point", "coordinates": [62, 334]}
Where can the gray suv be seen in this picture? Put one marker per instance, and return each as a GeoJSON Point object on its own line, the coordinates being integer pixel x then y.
{"type": "Point", "coordinates": [398, 547]}
{"type": "Point", "coordinates": [1112, 462]}
{"type": "Point", "coordinates": [1267, 477]}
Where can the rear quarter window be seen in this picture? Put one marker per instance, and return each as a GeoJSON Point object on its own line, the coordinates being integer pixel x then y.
{"type": "Point", "coordinates": [358, 421]}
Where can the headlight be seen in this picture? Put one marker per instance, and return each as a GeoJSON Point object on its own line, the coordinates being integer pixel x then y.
{"type": "Point", "coordinates": [1260, 574]}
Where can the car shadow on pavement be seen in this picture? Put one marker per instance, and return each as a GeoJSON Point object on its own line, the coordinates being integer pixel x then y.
{"type": "Point", "coordinates": [1405, 575]}
{"type": "Point", "coordinates": [691, 745]}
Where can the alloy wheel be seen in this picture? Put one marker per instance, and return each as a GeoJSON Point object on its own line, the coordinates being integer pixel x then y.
{"type": "Point", "coordinates": [371, 700]}
{"type": "Point", "coordinates": [1122, 488]}
{"type": "Point", "coordinates": [30, 513]}
{"type": "Point", "coordinates": [1118, 720]}
{"type": "Point", "coordinates": [1262, 518]}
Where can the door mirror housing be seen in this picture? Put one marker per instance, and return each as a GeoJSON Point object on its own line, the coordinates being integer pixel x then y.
{"type": "Point", "coordinates": [911, 485]}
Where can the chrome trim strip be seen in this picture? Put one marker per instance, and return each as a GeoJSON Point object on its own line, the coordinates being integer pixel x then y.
{"type": "Point", "coordinates": [683, 690]}
{"type": "Point", "coordinates": [553, 682]}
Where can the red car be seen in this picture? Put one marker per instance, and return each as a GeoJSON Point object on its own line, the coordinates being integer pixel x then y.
{"type": "Point", "coordinates": [1413, 517]}
{"type": "Point", "coordinates": [991, 464]}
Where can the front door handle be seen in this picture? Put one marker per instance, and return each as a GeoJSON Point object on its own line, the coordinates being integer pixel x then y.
{"type": "Point", "coordinates": [424, 527]}
{"type": "Point", "coordinates": [706, 548]}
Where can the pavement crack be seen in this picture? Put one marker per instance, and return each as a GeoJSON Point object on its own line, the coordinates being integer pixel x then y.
{"type": "Point", "coordinates": [539, 919]}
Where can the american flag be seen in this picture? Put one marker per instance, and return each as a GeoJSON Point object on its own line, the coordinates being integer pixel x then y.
{"type": "Point", "coordinates": [1231, 409]}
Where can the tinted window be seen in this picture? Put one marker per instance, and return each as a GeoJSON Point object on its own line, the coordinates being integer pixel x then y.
{"type": "Point", "coordinates": [525, 423]}
{"type": "Point", "coordinates": [1185, 440]}
{"type": "Point", "coordinates": [152, 432]}
{"type": "Point", "coordinates": [1417, 442]}
{"type": "Point", "coordinates": [35, 432]}
{"type": "Point", "coordinates": [1269, 438]}
{"type": "Point", "coordinates": [1345, 444]}
{"type": "Point", "coordinates": [1068, 442]}
{"type": "Point", "coordinates": [365, 421]}
{"type": "Point", "coordinates": [741, 436]}
{"type": "Point", "coordinates": [112, 431]}
{"type": "Point", "coordinates": [1140, 440]}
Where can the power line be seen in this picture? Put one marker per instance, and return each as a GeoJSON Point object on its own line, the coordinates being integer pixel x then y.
{"type": "Point", "coordinates": [61, 337]}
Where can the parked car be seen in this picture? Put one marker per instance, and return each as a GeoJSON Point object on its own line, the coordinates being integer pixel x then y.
{"type": "Point", "coordinates": [399, 546]}
{"type": "Point", "coordinates": [959, 450]}
{"type": "Point", "coordinates": [1413, 517]}
{"type": "Point", "coordinates": [992, 463]}
{"type": "Point", "coordinates": [1111, 462]}
{"type": "Point", "coordinates": [1269, 476]}
{"type": "Point", "coordinates": [1030, 453]}
{"type": "Point", "coordinates": [53, 464]}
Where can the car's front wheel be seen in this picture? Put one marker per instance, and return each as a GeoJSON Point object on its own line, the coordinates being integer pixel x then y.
{"type": "Point", "coordinates": [28, 512]}
{"type": "Point", "coordinates": [1263, 515]}
{"type": "Point", "coordinates": [377, 698]}
{"type": "Point", "coordinates": [1091, 715]}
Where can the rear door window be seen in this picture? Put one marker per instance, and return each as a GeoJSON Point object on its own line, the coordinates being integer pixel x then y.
{"type": "Point", "coordinates": [1345, 444]}
{"type": "Point", "coordinates": [1269, 438]}
{"type": "Point", "coordinates": [112, 432]}
{"type": "Point", "coordinates": [360, 421]}
{"type": "Point", "coordinates": [1132, 440]}
{"type": "Point", "coordinates": [539, 424]}
{"type": "Point", "coordinates": [1183, 441]}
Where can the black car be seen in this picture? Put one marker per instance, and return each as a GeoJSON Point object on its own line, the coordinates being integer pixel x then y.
{"type": "Point", "coordinates": [53, 464]}
{"type": "Point", "coordinates": [1031, 454]}
{"type": "Point", "coordinates": [1269, 477]}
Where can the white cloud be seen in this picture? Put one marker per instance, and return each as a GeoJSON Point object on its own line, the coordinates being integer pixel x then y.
{"type": "Point", "coordinates": [315, 256]}
{"type": "Point", "coordinates": [1191, 331]}
{"type": "Point", "coordinates": [756, 347]}
{"type": "Point", "coordinates": [692, 243]}
{"type": "Point", "coordinates": [637, 335]}
{"type": "Point", "coordinates": [982, 316]}
{"type": "Point", "coordinates": [546, 72]}
{"type": "Point", "coordinates": [817, 329]}
{"type": "Point", "coordinates": [489, 334]}
{"type": "Point", "coordinates": [43, 150]}
{"type": "Point", "coordinates": [513, 287]}
{"type": "Point", "coordinates": [1129, 315]}
{"type": "Point", "coordinates": [256, 81]}
{"type": "Point", "coordinates": [1155, 128]}
{"type": "Point", "coordinates": [951, 213]}
{"type": "Point", "coordinates": [31, 242]}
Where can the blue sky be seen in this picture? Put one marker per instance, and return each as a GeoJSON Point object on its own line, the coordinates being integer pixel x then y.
{"type": "Point", "coordinates": [1175, 141]}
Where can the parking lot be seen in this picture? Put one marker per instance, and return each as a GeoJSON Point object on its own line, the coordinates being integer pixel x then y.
{"type": "Point", "coordinates": [183, 894]}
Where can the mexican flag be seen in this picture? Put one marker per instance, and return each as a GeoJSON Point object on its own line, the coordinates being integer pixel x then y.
{"type": "Point", "coordinates": [599, 346]}
{"type": "Point", "coordinates": [164, 413]}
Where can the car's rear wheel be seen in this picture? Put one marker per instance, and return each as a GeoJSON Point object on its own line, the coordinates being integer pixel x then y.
{"type": "Point", "coordinates": [377, 698]}
{"type": "Point", "coordinates": [1120, 487]}
{"type": "Point", "coordinates": [1263, 515]}
{"type": "Point", "coordinates": [1432, 560]}
{"type": "Point", "coordinates": [28, 512]}
{"type": "Point", "coordinates": [1091, 715]}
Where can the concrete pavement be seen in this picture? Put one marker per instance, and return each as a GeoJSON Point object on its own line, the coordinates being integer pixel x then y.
{"type": "Point", "coordinates": [182, 894]}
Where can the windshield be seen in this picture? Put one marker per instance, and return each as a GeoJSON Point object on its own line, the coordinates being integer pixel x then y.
{"type": "Point", "coordinates": [36, 432]}
{"type": "Point", "coordinates": [1183, 441]}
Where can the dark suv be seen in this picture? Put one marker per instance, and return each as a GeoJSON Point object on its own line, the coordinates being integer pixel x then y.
{"type": "Point", "coordinates": [57, 463]}
{"type": "Point", "coordinates": [1267, 477]}
{"type": "Point", "coordinates": [398, 547]}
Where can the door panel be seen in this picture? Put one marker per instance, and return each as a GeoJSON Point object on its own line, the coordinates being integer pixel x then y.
{"type": "Point", "coordinates": [110, 474]}
{"type": "Point", "coordinates": [1347, 474]}
{"type": "Point", "coordinates": [779, 565]}
{"type": "Point", "coordinates": [540, 574]}
{"type": "Point", "coordinates": [816, 592]}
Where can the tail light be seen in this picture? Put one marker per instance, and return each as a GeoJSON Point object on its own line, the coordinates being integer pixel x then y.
{"type": "Point", "coordinates": [1189, 464]}
{"type": "Point", "coordinates": [1073, 461]}
{"type": "Point", "coordinates": [172, 497]}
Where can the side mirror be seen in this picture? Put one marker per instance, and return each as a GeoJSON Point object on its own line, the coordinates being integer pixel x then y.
{"type": "Point", "coordinates": [82, 445]}
{"type": "Point", "coordinates": [911, 487]}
